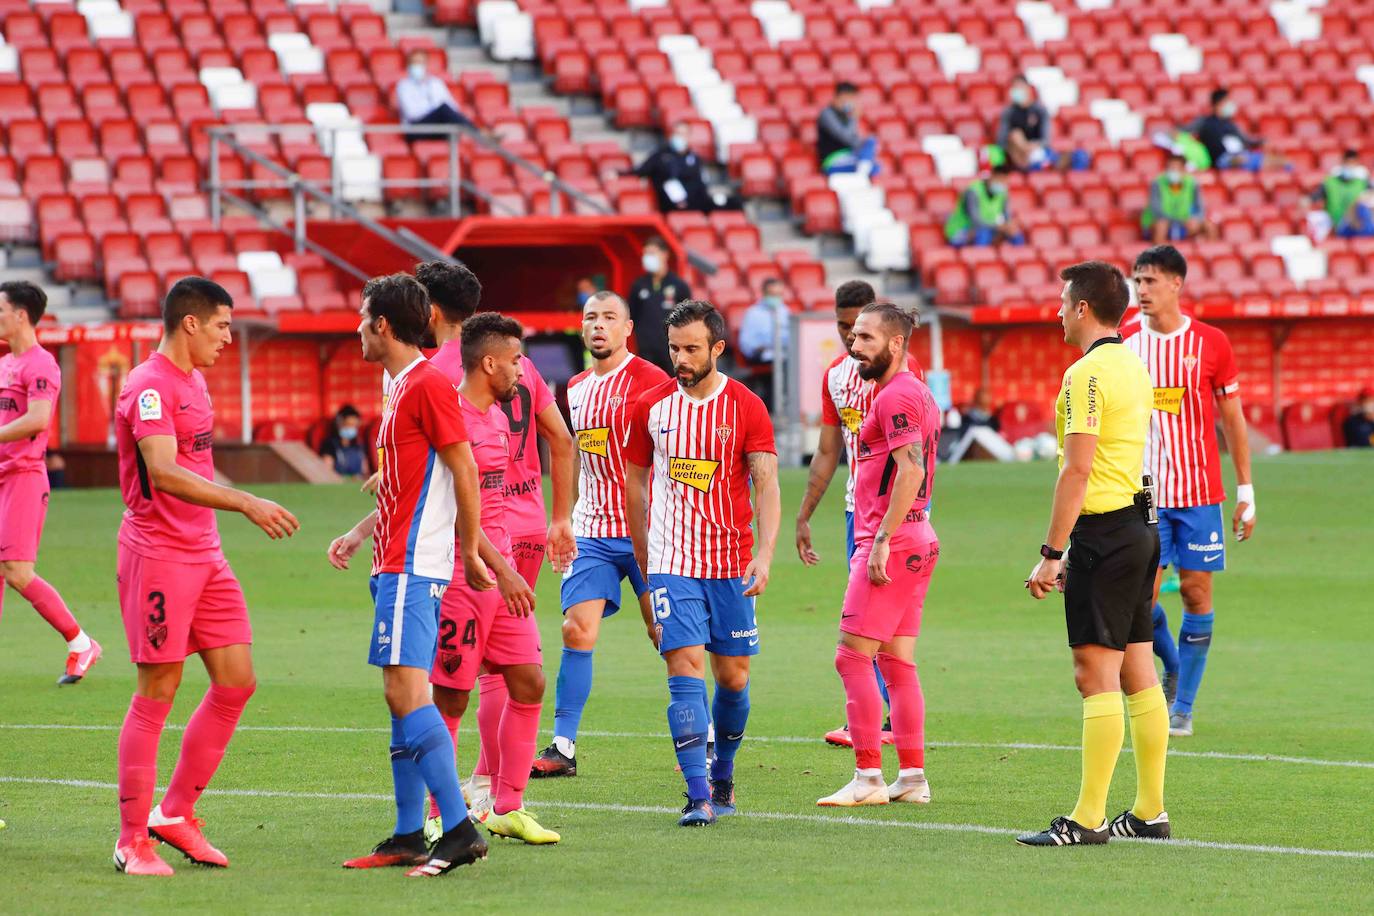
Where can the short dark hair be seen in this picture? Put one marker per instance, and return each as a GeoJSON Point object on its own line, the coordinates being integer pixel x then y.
{"type": "Point", "coordinates": [402, 301]}
{"type": "Point", "coordinates": [452, 287]}
{"type": "Point", "coordinates": [656, 241]}
{"type": "Point", "coordinates": [1218, 94]}
{"type": "Point", "coordinates": [854, 294]}
{"type": "Point", "coordinates": [27, 296]}
{"type": "Point", "coordinates": [602, 295]}
{"type": "Point", "coordinates": [894, 320]}
{"type": "Point", "coordinates": [1102, 286]}
{"type": "Point", "coordinates": [480, 331]}
{"type": "Point", "coordinates": [1163, 257]}
{"type": "Point", "coordinates": [193, 296]}
{"type": "Point", "coordinates": [845, 86]}
{"type": "Point", "coordinates": [693, 310]}
{"type": "Point", "coordinates": [1350, 153]}
{"type": "Point", "coordinates": [769, 281]}
{"type": "Point", "coordinates": [347, 412]}
{"type": "Point", "coordinates": [1175, 155]}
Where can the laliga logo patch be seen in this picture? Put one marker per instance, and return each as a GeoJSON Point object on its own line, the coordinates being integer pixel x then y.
{"type": "Point", "coordinates": [724, 433]}
{"type": "Point", "coordinates": [149, 404]}
{"type": "Point", "coordinates": [697, 473]}
{"type": "Point", "coordinates": [450, 662]}
{"type": "Point", "coordinates": [594, 441]}
{"type": "Point", "coordinates": [852, 419]}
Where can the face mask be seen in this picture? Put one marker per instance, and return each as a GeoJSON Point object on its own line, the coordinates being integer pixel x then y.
{"type": "Point", "coordinates": [348, 433]}
{"type": "Point", "coordinates": [652, 262]}
{"type": "Point", "coordinates": [583, 298]}
{"type": "Point", "coordinates": [1353, 173]}
{"type": "Point", "coordinates": [417, 71]}
{"type": "Point", "coordinates": [847, 107]}
{"type": "Point", "coordinates": [773, 302]}
{"type": "Point", "coordinates": [1227, 110]}
{"type": "Point", "coordinates": [997, 189]}
{"type": "Point", "coordinates": [679, 143]}
{"type": "Point", "coordinates": [1174, 176]}
{"type": "Point", "coordinates": [1020, 96]}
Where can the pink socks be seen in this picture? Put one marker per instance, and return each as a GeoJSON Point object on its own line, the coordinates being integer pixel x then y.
{"type": "Point", "coordinates": [863, 706]}
{"type": "Point", "coordinates": [908, 709]}
{"type": "Point", "coordinates": [491, 704]}
{"type": "Point", "coordinates": [203, 745]}
{"type": "Point", "coordinates": [516, 738]}
{"type": "Point", "coordinates": [49, 604]}
{"type": "Point", "coordinates": [138, 765]}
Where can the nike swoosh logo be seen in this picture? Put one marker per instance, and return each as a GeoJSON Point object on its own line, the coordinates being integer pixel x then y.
{"type": "Point", "coordinates": [846, 616]}
{"type": "Point", "coordinates": [738, 737]}
{"type": "Point", "coordinates": [129, 799]}
{"type": "Point", "coordinates": [1195, 638]}
{"type": "Point", "coordinates": [664, 432]}
{"type": "Point", "coordinates": [688, 743]}
{"type": "Point", "coordinates": [200, 788]}
{"type": "Point", "coordinates": [184, 407]}
{"type": "Point", "coordinates": [1210, 557]}
{"type": "Point", "coordinates": [753, 642]}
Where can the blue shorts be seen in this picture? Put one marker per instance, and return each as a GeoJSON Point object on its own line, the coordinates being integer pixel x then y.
{"type": "Point", "coordinates": [1193, 538]}
{"type": "Point", "coordinates": [406, 624]}
{"type": "Point", "coordinates": [1250, 160]}
{"type": "Point", "coordinates": [601, 565]}
{"type": "Point", "coordinates": [704, 612]}
{"type": "Point", "coordinates": [849, 536]}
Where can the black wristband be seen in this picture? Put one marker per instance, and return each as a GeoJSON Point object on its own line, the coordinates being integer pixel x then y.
{"type": "Point", "coordinates": [1049, 553]}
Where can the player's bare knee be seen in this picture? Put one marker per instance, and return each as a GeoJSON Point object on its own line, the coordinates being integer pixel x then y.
{"type": "Point", "coordinates": [452, 702]}
{"type": "Point", "coordinates": [527, 684]}
{"type": "Point", "coordinates": [17, 575]}
{"type": "Point", "coordinates": [159, 682]}
{"type": "Point", "coordinates": [1197, 596]}
{"type": "Point", "coordinates": [577, 634]}
{"type": "Point", "coordinates": [735, 680]}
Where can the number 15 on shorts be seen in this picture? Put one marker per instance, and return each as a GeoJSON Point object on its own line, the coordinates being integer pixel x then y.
{"type": "Point", "coordinates": [662, 609]}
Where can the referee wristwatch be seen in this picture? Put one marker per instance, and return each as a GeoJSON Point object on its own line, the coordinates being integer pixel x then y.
{"type": "Point", "coordinates": [1049, 553]}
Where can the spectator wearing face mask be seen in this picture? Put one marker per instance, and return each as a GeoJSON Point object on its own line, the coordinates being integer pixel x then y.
{"type": "Point", "coordinates": [839, 145]}
{"type": "Point", "coordinates": [1359, 426]}
{"type": "Point", "coordinates": [676, 174]}
{"type": "Point", "coordinates": [584, 290]}
{"type": "Point", "coordinates": [1025, 130]}
{"type": "Point", "coordinates": [341, 449]}
{"type": "Point", "coordinates": [764, 325]}
{"type": "Point", "coordinates": [1345, 196]}
{"type": "Point", "coordinates": [424, 98]}
{"type": "Point", "coordinates": [1227, 145]}
{"type": "Point", "coordinates": [651, 298]}
{"type": "Point", "coordinates": [983, 215]}
{"type": "Point", "coordinates": [1175, 211]}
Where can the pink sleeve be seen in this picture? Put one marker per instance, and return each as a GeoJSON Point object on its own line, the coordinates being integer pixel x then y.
{"type": "Point", "coordinates": [900, 418]}
{"type": "Point", "coordinates": [640, 447]}
{"type": "Point", "coordinates": [44, 383]}
{"type": "Point", "coordinates": [150, 409]}
{"type": "Point", "coordinates": [829, 415]}
{"type": "Point", "coordinates": [758, 427]}
{"type": "Point", "coordinates": [540, 395]}
{"type": "Point", "coordinates": [1226, 380]}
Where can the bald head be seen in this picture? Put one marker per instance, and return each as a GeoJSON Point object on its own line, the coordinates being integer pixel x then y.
{"type": "Point", "coordinates": [606, 326]}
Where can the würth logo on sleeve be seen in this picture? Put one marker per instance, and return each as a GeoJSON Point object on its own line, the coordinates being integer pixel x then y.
{"type": "Point", "coordinates": [724, 433]}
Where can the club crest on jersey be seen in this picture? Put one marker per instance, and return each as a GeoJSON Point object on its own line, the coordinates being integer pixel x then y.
{"type": "Point", "coordinates": [594, 441]}
{"type": "Point", "coordinates": [1169, 400]}
{"type": "Point", "coordinates": [615, 401]}
{"type": "Point", "coordinates": [697, 473]}
{"type": "Point", "coordinates": [852, 419]}
{"type": "Point", "coordinates": [724, 433]}
{"type": "Point", "coordinates": [1190, 360]}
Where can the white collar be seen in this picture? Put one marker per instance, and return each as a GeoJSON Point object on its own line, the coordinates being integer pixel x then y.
{"type": "Point", "coordinates": [402, 374]}
{"type": "Point", "coordinates": [724, 380]}
{"type": "Point", "coordinates": [1145, 326]}
{"type": "Point", "coordinates": [623, 363]}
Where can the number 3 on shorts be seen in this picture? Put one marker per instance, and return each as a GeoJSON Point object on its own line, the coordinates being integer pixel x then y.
{"type": "Point", "coordinates": [662, 609]}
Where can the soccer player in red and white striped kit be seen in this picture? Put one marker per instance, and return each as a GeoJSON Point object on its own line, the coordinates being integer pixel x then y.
{"type": "Point", "coordinates": [1195, 378]}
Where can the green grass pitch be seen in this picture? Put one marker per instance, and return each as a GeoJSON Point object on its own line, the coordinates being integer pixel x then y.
{"type": "Point", "coordinates": [1283, 756]}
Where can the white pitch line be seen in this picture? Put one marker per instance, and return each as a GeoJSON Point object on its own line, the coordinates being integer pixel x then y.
{"type": "Point", "coordinates": [771, 739]}
{"type": "Point", "coordinates": [849, 820]}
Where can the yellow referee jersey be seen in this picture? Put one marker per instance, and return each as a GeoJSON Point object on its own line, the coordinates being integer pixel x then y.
{"type": "Point", "coordinates": [1108, 394]}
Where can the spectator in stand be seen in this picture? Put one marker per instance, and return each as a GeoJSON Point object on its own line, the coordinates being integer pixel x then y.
{"type": "Point", "coordinates": [57, 470]}
{"type": "Point", "coordinates": [839, 145]}
{"type": "Point", "coordinates": [982, 412]}
{"type": "Point", "coordinates": [1227, 145]}
{"type": "Point", "coordinates": [1359, 426]}
{"type": "Point", "coordinates": [424, 98]}
{"type": "Point", "coordinates": [586, 288]}
{"type": "Point", "coordinates": [757, 335]}
{"type": "Point", "coordinates": [983, 215]}
{"type": "Point", "coordinates": [1024, 135]}
{"type": "Point", "coordinates": [340, 448]}
{"type": "Point", "coordinates": [678, 177]}
{"type": "Point", "coordinates": [1345, 198]}
{"type": "Point", "coordinates": [1175, 210]}
{"type": "Point", "coordinates": [651, 298]}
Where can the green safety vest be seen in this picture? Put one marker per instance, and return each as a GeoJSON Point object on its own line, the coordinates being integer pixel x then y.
{"type": "Point", "coordinates": [1178, 201]}
{"type": "Point", "coordinates": [1192, 150]}
{"type": "Point", "coordinates": [990, 209]}
{"type": "Point", "coordinates": [1341, 195]}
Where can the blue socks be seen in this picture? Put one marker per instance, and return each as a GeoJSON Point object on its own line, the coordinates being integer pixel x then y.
{"type": "Point", "coordinates": [430, 744]}
{"type": "Point", "coordinates": [730, 709]}
{"type": "Point", "coordinates": [574, 686]}
{"type": "Point", "coordinates": [1164, 640]}
{"type": "Point", "coordinates": [687, 724]}
{"type": "Point", "coordinates": [409, 785]}
{"type": "Point", "coordinates": [882, 685]}
{"type": "Point", "coordinates": [1194, 639]}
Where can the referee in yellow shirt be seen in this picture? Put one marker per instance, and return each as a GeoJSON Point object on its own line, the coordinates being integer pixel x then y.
{"type": "Point", "coordinates": [1101, 517]}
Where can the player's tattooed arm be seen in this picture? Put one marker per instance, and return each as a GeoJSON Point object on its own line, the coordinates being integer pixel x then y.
{"type": "Point", "coordinates": [910, 466]}
{"type": "Point", "coordinates": [822, 471]}
{"type": "Point", "coordinates": [763, 472]}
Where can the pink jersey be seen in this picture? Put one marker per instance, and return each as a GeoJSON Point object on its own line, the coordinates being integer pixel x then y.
{"type": "Point", "coordinates": [524, 479]}
{"type": "Point", "coordinates": [699, 522]}
{"type": "Point", "coordinates": [845, 399]}
{"type": "Point", "coordinates": [33, 376]}
{"type": "Point", "coordinates": [903, 413]}
{"type": "Point", "coordinates": [601, 407]}
{"type": "Point", "coordinates": [1190, 369]}
{"type": "Point", "coordinates": [416, 509]}
{"type": "Point", "coordinates": [489, 432]}
{"type": "Point", "coordinates": [159, 399]}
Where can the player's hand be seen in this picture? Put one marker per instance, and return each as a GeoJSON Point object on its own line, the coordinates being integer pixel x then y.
{"type": "Point", "coordinates": [756, 576]}
{"type": "Point", "coordinates": [805, 551]}
{"type": "Point", "coordinates": [371, 484]}
{"type": "Point", "coordinates": [562, 547]}
{"type": "Point", "coordinates": [271, 518]}
{"type": "Point", "coordinates": [877, 562]}
{"type": "Point", "coordinates": [475, 573]}
{"type": "Point", "coordinates": [1243, 521]}
{"type": "Point", "coordinates": [342, 548]}
{"type": "Point", "coordinates": [1046, 577]}
{"type": "Point", "coordinates": [655, 632]}
{"type": "Point", "coordinates": [518, 595]}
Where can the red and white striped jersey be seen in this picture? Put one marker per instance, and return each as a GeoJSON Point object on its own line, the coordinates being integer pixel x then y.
{"type": "Point", "coordinates": [845, 399]}
{"type": "Point", "coordinates": [1190, 368]}
{"type": "Point", "coordinates": [601, 407]}
{"type": "Point", "coordinates": [416, 509]}
{"type": "Point", "coordinates": [700, 514]}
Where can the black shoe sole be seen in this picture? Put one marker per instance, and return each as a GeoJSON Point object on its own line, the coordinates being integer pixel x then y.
{"type": "Point", "coordinates": [555, 774]}
{"type": "Point", "coordinates": [471, 855]}
{"type": "Point", "coordinates": [189, 858]}
{"type": "Point", "coordinates": [68, 679]}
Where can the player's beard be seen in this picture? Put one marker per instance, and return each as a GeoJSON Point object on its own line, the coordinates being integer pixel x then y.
{"type": "Point", "coordinates": [603, 353]}
{"type": "Point", "coordinates": [876, 367]}
{"type": "Point", "coordinates": [694, 379]}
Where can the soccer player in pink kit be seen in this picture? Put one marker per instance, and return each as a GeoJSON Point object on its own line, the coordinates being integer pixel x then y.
{"type": "Point", "coordinates": [455, 294]}
{"type": "Point", "coordinates": [176, 590]}
{"type": "Point", "coordinates": [896, 551]}
{"type": "Point", "coordinates": [480, 629]}
{"type": "Point", "coordinates": [29, 383]}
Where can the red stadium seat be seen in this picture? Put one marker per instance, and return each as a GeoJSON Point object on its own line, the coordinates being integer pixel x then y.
{"type": "Point", "coordinates": [1306, 428]}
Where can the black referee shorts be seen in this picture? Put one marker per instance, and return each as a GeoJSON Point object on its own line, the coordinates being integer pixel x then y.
{"type": "Point", "coordinates": [1109, 578]}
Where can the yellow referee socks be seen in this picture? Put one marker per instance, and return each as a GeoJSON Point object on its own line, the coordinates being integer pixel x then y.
{"type": "Point", "coordinates": [1104, 729]}
{"type": "Point", "coordinates": [1150, 741]}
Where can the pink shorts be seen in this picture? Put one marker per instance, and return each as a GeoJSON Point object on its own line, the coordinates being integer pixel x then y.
{"type": "Point", "coordinates": [23, 508]}
{"type": "Point", "coordinates": [883, 611]}
{"type": "Point", "coordinates": [477, 627]}
{"type": "Point", "coordinates": [173, 609]}
{"type": "Point", "coordinates": [529, 555]}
